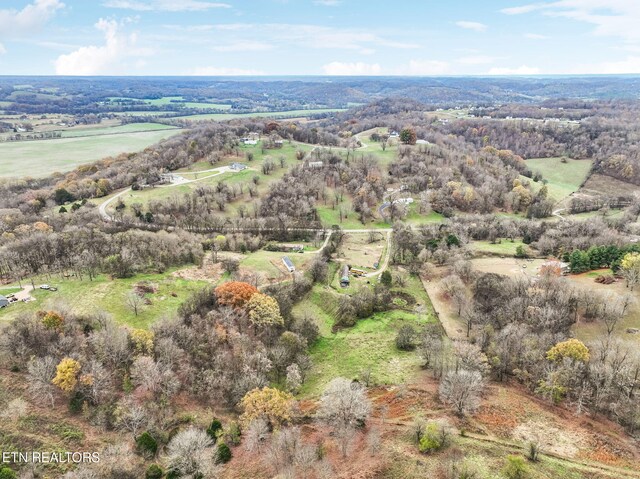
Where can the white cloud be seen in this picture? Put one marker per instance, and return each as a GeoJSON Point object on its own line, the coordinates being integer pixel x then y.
{"type": "Point", "coordinates": [327, 3]}
{"type": "Point", "coordinates": [221, 71]}
{"type": "Point", "coordinates": [31, 18]}
{"type": "Point", "coordinates": [352, 69]}
{"type": "Point", "coordinates": [535, 36]}
{"type": "Point", "coordinates": [3, 50]}
{"type": "Point", "coordinates": [615, 18]}
{"type": "Point", "coordinates": [476, 60]}
{"type": "Point", "coordinates": [109, 58]}
{"type": "Point", "coordinates": [243, 47]}
{"type": "Point", "coordinates": [506, 71]}
{"type": "Point", "coordinates": [520, 10]}
{"type": "Point", "coordinates": [630, 65]}
{"type": "Point", "coordinates": [425, 67]}
{"type": "Point", "coordinates": [475, 26]}
{"type": "Point", "coordinates": [165, 5]}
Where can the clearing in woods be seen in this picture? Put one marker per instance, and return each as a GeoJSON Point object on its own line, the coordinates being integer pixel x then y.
{"type": "Point", "coordinates": [368, 348]}
{"type": "Point", "coordinates": [564, 175]}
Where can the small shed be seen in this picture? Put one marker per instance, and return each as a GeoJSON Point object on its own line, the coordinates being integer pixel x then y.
{"type": "Point", "coordinates": [3, 302]}
{"type": "Point", "coordinates": [288, 264]}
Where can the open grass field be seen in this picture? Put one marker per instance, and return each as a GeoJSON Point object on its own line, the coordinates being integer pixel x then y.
{"type": "Point", "coordinates": [269, 114]}
{"type": "Point", "coordinates": [116, 130]}
{"type": "Point", "coordinates": [415, 218]}
{"type": "Point", "coordinates": [105, 294]}
{"type": "Point", "coordinates": [369, 345]}
{"type": "Point", "coordinates": [42, 157]}
{"type": "Point", "coordinates": [269, 266]}
{"type": "Point", "coordinates": [175, 100]}
{"type": "Point", "coordinates": [563, 178]}
{"type": "Point", "coordinates": [504, 247]}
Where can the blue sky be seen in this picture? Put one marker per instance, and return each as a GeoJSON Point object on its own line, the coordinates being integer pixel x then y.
{"type": "Point", "coordinates": [319, 37]}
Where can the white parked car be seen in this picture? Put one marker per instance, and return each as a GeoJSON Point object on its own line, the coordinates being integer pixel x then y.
{"type": "Point", "coordinates": [45, 286]}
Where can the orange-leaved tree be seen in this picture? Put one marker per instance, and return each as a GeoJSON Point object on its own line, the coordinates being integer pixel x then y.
{"type": "Point", "coordinates": [235, 293]}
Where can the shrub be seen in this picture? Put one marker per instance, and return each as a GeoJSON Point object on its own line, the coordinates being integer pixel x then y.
{"type": "Point", "coordinates": [521, 251]}
{"type": "Point", "coordinates": [232, 434]}
{"type": "Point", "coordinates": [214, 429]}
{"type": "Point", "coordinates": [405, 338]}
{"type": "Point", "coordinates": [154, 472]}
{"type": "Point", "coordinates": [7, 473]}
{"type": "Point", "coordinates": [516, 468]}
{"type": "Point", "coordinates": [533, 451]}
{"type": "Point", "coordinates": [146, 445]}
{"type": "Point", "coordinates": [76, 402]}
{"type": "Point", "coordinates": [223, 453]}
{"type": "Point", "coordinates": [434, 438]}
{"type": "Point", "coordinates": [386, 279]}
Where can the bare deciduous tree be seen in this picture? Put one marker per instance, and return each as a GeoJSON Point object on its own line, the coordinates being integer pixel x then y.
{"type": "Point", "coordinates": [190, 454]}
{"type": "Point", "coordinates": [344, 405]}
{"type": "Point", "coordinates": [41, 373]}
{"type": "Point", "coordinates": [461, 390]}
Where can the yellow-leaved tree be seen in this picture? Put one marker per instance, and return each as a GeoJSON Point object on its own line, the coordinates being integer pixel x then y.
{"type": "Point", "coordinates": [571, 348]}
{"type": "Point", "coordinates": [270, 404]}
{"type": "Point", "coordinates": [264, 311]}
{"type": "Point", "coordinates": [142, 341]}
{"type": "Point", "coordinates": [630, 269]}
{"type": "Point", "coordinates": [66, 377]}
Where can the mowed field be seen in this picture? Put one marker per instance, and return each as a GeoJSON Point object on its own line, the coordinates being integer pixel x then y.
{"type": "Point", "coordinates": [109, 295]}
{"type": "Point", "coordinates": [42, 157]}
{"type": "Point", "coordinates": [563, 178]}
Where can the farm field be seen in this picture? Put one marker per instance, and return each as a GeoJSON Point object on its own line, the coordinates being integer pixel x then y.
{"type": "Point", "coordinates": [603, 184]}
{"type": "Point", "coordinates": [42, 157]}
{"type": "Point", "coordinates": [270, 114]}
{"type": "Point", "coordinates": [115, 130]}
{"type": "Point", "coordinates": [563, 178]}
{"type": "Point", "coordinates": [369, 345]}
{"type": "Point", "coordinates": [173, 100]}
{"type": "Point", "coordinates": [105, 294]}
